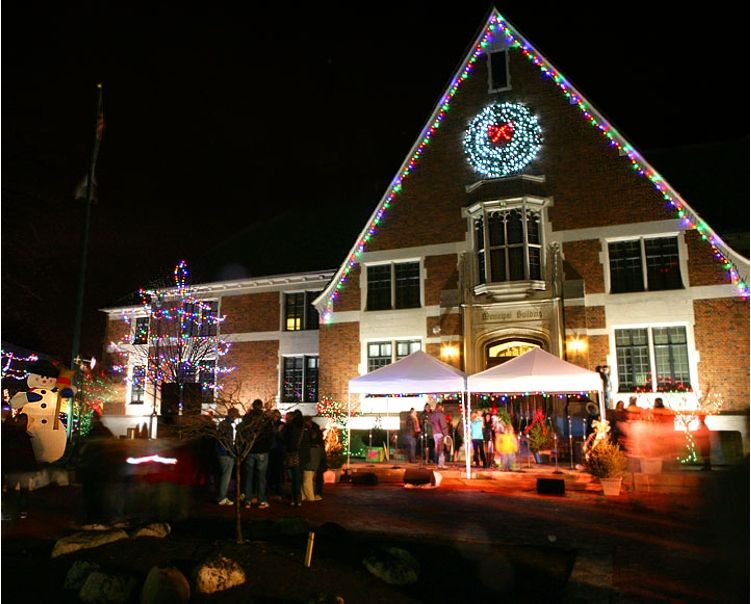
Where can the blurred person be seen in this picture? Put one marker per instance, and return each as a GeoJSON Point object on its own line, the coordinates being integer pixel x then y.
{"type": "Point", "coordinates": [478, 441]}
{"type": "Point", "coordinates": [411, 434]}
{"type": "Point", "coordinates": [440, 430]}
{"type": "Point", "coordinates": [225, 452]}
{"type": "Point", "coordinates": [427, 434]}
{"type": "Point", "coordinates": [311, 454]}
{"type": "Point", "coordinates": [276, 457]}
{"type": "Point", "coordinates": [18, 462]}
{"type": "Point", "coordinates": [293, 435]}
{"type": "Point", "coordinates": [506, 445]}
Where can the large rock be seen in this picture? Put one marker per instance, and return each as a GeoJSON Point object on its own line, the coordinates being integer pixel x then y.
{"type": "Point", "coordinates": [107, 588]}
{"type": "Point", "coordinates": [78, 574]}
{"type": "Point", "coordinates": [393, 565]}
{"type": "Point", "coordinates": [165, 586]}
{"type": "Point", "coordinates": [218, 573]}
{"type": "Point", "coordinates": [86, 540]}
{"type": "Point", "coordinates": [158, 529]}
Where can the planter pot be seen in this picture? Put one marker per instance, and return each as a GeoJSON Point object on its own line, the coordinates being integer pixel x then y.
{"type": "Point", "coordinates": [332, 476]}
{"type": "Point", "coordinates": [611, 486]}
{"type": "Point", "coordinates": [651, 465]}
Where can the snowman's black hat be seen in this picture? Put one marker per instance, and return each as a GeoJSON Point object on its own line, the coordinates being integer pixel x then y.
{"type": "Point", "coordinates": [43, 368]}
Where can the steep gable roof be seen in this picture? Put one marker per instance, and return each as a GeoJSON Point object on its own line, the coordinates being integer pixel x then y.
{"type": "Point", "coordinates": [496, 25]}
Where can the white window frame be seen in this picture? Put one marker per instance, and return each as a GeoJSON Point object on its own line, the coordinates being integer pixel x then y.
{"type": "Point", "coordinates": [393, 263]}
{"type": "Point", "coordinates": [304, 357]}
{"type": "Point", "coordinates": [491, 89]}
{"type": "Point", "coordinates": [393, 341]}
{"type": "Point", "coordinates": [693, 357]}
{"type": "Point", "coordinates": [682, 263]}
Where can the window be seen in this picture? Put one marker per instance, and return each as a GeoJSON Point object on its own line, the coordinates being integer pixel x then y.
{"type": "Point", "coordinates": [509, 245]}
{"type": "Point", "coordinates": [381, 354]}
{"type": "Point", "coordinates": [300, 379]}
{"type": "Point", "coordinates": [141, 331]}
{"type": "Point", "coordinates": [644, 264]}
{"type": "Point", "coordinates": [299, 312]}
{"type": "Point", "coordinates": [200, 319]}
{"type": "Point", "coordinates": [652, 359]}
{"type": "Point", "coordinates": [137, 384]}
{"type": "Point", "coordinates": [498, 74]}
{"type": "Point", "coordinates": [393, 286]}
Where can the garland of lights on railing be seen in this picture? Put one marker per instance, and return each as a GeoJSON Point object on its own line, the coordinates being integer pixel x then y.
{"type": "Point", "coordinates": [496, 23]}
{"type": "Point", "coordinates": [8, 371]}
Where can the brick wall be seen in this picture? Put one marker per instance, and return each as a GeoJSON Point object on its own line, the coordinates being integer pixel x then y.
{"type": "Point", "coordinates": [257, 370]}
{"type": "Point", "coordinates": [598, 348]}
{"type": "Point", "coordinates": [721, 333]}
{"type": "Point", "coordinates": [339, 346]}
{"type": "Point", "coordinates": [583, 257]}
{"type": "Point", "coordinates": [450, 324]}
{"type": "Point", "coordinates": [592, 185]}
{"type": "Point", "coordinates": [248, 313]}
{"type": "Point", "coordinates": [703, 267]}
{"type": "Point", "coordinates": [442, 273]}
{"type": "Point", "coordinates": [350, 298]}
{"type": "Point", "coordinates": [596, 317]}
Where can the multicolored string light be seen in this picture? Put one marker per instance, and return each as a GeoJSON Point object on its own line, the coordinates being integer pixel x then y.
{"type": "Point", "coordinates": [183, 339]}
{"type": "Point", "coordinates": [497, 24]}
{"type": "Point", "coordinates": [8, 371]}
{"type": "Point", "coordinates": [689, 218]}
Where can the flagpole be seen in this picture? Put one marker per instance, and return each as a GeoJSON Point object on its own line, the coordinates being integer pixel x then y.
{"type": "Point", "coordinates": [78, 318]}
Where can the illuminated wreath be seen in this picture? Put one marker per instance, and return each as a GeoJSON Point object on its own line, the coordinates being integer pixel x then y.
{"type": "Point", "coordinates": [502, 139]}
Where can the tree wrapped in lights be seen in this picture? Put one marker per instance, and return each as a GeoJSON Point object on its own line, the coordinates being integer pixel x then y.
{"type": "Point", "coordinates": [179, 343]}
{"type": "Point", "coordinates": [335, 439]}
{"type": "Point", "coordinates": [94, 393]}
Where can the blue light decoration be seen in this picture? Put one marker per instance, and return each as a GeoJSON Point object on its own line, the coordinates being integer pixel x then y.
{"type": "Point", "coordinates": [502, 139]}
{"type": "Point", "coordinates": [498, 27]}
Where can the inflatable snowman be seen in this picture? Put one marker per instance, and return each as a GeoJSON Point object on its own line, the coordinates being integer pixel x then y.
{"type": "Point", "coordinates": [42, 403]}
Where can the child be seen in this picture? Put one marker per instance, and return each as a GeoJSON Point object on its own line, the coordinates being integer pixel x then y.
{"type": "Point", "coordinates": [506, 445]}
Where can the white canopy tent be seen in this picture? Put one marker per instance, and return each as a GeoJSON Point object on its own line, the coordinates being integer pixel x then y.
{"type": "Point", "coordinates": [418, 373]}
{"type": "Point", "coordinates": [537, 371]}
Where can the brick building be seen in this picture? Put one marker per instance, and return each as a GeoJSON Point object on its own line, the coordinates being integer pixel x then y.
{"type": "Point", "coordinates": [520, 218]}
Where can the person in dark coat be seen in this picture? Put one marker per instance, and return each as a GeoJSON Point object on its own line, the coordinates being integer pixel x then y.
{"type": "Point", "coordinates": [292, 436]}
{"type": "Point", "coordinates": [276, 457]}
{"type": "Point", "coordinates": [257, 461]}
{"type": "Point", "coordinates": [226, 454]}
{"type": "Point", "coordinates": [18, 460]}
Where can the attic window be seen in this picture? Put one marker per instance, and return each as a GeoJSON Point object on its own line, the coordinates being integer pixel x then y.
{"type": "Point", "coordinates": [498, 74]}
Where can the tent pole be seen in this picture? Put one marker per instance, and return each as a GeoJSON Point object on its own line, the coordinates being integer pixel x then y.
{"type": "Point", "coordinates": [349, 432]}
{"type": "Point", "coordinates": [465, 410]}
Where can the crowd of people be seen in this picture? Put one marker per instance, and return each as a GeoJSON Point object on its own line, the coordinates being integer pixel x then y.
{"type": "Point", "coordinates": [274, 455]}
{"type": "Point", "coordinates": [494, 441]}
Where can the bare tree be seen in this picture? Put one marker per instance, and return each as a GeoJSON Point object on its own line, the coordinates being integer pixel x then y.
{"type": "Point", "coordinates": [238, 443]}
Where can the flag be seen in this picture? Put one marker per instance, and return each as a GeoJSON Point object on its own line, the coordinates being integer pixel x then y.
{"type": "Point", "coordinates": [83, 191]}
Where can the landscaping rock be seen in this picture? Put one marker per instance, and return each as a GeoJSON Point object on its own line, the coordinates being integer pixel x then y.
{"type": "Point", "coordinates": [157, 529]}
{"type": "Point", "coordinates": [332, 531]}
{"type": "Point", "coordinates": [293, 526]}
{"type": "Point", "coordinates": [393, 565]}
{"type": "Point", "coordinates": [218, 573]}
{"type": "Point", "coordinates": [78, 574]}
{"type": "Point", "coordinates": [165, 586]}
{"type": "Point", "coordinates": [86, 540]}
{"type": "Point", "coordinates": [107, 588]}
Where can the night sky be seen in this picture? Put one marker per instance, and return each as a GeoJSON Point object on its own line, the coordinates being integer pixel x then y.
{"type": "Point", "coordinates": [258, 140]}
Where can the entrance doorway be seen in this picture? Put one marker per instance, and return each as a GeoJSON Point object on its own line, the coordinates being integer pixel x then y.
{"type": "Point", "coordinates": [500, 351]}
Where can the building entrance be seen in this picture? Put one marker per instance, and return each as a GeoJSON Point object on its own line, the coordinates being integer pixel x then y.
{"type": "Point", "coordinates": [500, 351]}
